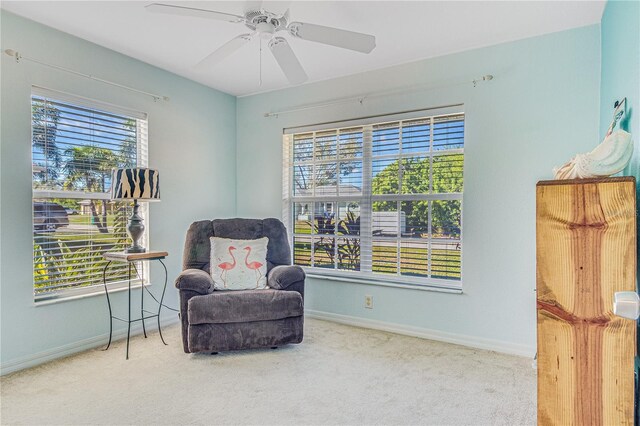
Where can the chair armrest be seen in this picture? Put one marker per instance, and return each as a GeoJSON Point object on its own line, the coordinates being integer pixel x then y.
{"type": "Point", "coordinates": [281, 277]}
{"type": "Point", "coordinates": [195, 280]}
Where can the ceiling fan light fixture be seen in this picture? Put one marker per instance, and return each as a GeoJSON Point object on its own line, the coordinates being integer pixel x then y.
{"type": "Point", "coordinates": [265, 29]}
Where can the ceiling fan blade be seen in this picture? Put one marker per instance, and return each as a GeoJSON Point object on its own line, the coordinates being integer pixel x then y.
{"type": "Point", "coordinates": [224, 51]}
{"type": "Point", "coordinates": [191, 11]}
{"type": "Point", "coordinates": [287, 60]}
{"type": "Point", "coordinates": [333, 36]}
{"type": "Point", "coordinates": [285, 15]}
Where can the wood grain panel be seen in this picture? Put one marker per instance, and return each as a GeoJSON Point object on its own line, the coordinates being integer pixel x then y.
{"type": "Point", "coordinates": [586, 251]}
{"type": "Point", "coordinates": [130, 257]}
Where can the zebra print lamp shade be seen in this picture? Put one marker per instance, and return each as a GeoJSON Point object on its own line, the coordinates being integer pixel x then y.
{"type": "Point", "coordinates": [135, 184]}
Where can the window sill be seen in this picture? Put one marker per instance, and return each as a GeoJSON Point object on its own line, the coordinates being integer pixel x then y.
{"type": "Point", "coordinates": [365, 281]}
{"type": "Point", "coordinates": [98, 291]}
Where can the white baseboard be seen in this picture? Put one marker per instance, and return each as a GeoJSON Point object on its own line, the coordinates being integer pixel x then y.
{"type": "Point", "coordinates": [425, 333]}
{"type": "Point", "coordinates": [72, 348]}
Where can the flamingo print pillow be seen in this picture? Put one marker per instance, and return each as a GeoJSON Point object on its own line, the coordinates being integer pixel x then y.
{"type": "Point", "coordinates": [239, 264]}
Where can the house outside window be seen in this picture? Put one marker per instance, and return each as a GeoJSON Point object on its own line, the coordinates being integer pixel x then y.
{"type": "Point", "coordinates": [75, 144]}
{"type": "Point", "coordinates": [378, 200]}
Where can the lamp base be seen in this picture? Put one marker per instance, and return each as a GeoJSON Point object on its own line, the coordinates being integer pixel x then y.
{"type": "Point", "coordinates": [134, 249]}
{"type": "Point", "coordinates": [135, 230]}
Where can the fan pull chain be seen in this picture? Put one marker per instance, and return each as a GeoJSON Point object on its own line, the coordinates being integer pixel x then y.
{"type": "Point", "coordinates": [260, 66]}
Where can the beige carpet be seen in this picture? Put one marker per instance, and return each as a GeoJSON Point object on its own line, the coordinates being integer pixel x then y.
{"type": "Point", "coordinates": [338, 375]}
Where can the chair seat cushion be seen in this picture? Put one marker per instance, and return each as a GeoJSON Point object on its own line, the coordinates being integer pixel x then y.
{"type": "Point", "coordinates": [244, 306]}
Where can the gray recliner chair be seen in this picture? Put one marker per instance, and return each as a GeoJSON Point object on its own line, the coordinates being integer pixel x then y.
{"type": "Point", "coordinates": [225, 320]}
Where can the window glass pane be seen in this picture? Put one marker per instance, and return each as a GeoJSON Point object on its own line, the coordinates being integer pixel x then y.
{"type": "Point", "coordinates": [448, 133]}
{"type": "Point", "coordinates": [303, 147]}
{"type": "Point", "coordinates": [348, 225]}
{"type": "Point", "coordinates": [351, 178]}
{"type": "Point", "coordinates": [386, 220]}
{"type": "Point", "coordinates": [81, 127]}
{"type": "Point", "coordinates": [385, 257]}
{"type": "Point", "coordinates": [447, 173]}
{"type": "Point", "coordinates": [302, 218]}
{"type": "Point", "coordinates": [445, 260]}
{"type": "Point", "coordinates": [324, 252]}
{"type": "Point", "coordinates": [324, 222]}
{"type": "Point", "coordinates": [414, 258]}
{"type": "Point", "coordinates": [445, 218]}
{"type": "Point", "coordinates": [385, 177]}
{"type": "Point", "coordinates": [416, 136]}
{"type": "Point", "coordinates": [416, 215]}
{"type": "Point", "coordinates": [302, 251]}
{"type": "Point", "coordinates": [302, 180]}
{"type": "Point", "coordinates": [349, 254]}
{"type": "Point", "coordinates": [415, 175]}
{"type": "Point", "coordinates": [351, 143]}
{"type": "Point", "coordinates": [326, 145]}
{"type": "Point", "coordinates": [70, 237]}
{"type": "Point", "coordinates": [348, 218]}
{"type": "Point", "coordinates": [386, 139]}
{"type": "Point", "coordinates": [75, 148]}
{"type": "Point", "coordinates": [88, 168]}
{"type": "Point", "coordinates": [326, 179]}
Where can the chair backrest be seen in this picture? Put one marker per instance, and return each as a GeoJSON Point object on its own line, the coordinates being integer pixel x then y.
{"type": "Point", "coordinates": [197, 247]}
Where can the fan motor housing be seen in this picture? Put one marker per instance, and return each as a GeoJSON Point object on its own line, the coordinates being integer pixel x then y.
{"type": "Point", "coordinates": [265, 22]}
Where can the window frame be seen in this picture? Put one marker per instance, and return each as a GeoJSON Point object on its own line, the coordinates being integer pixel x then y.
{"type": "Point", "coordinates": [142, 278]}
{"type": "Point", "coordinates": [366, 199]}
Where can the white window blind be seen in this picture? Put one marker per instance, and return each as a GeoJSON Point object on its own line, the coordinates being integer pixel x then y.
{"type": "Point", "coordinates": [381, 201]}
{"type": "Point", "coordinates": [75, 145]}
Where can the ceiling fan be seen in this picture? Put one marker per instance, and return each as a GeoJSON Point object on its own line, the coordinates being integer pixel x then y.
{"type": "Point", "coordinates": [266, 25]}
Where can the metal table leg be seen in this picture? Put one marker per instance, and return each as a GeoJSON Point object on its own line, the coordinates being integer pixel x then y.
{"type": "Point", "coordinates": [106, 292]}
{"type": "Point", "coordinates": [129, 310]}
{"type": "Point", "coordinates": [144, 330]}
{"type": "Point", "coordinates": [162, 299]}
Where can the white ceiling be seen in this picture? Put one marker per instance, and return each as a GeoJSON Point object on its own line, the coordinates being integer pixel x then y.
{"type": "Point", "coordinates": [405, 31]}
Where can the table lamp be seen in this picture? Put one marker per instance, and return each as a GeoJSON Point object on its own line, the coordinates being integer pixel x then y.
{"type": "Point", "coordinates": [135, 184]}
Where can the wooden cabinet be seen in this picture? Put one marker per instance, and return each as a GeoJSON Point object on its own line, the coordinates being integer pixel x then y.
{"type": "Point", "coordinates": [586, 252]}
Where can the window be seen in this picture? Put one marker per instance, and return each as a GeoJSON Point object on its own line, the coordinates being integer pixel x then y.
{"type": "Point", "coordinates": [75, 145]}
{"type": "Point", "coordinates": [378, 200]}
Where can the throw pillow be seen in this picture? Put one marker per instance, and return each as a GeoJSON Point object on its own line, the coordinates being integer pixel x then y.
{"type": "Point", "coordinates": [239, 264]}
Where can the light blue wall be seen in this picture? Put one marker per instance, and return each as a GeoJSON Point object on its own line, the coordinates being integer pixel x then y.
{"type": "Point", "coordinates": [191, 140]}
{"type": "Point", "coordinates": [541, 109]}
{"type": "Point", "coordinates": [620, 69]}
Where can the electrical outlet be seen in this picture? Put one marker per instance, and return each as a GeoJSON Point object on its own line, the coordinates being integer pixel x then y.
{"type": "Point", "coordinates": [368, 302]}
